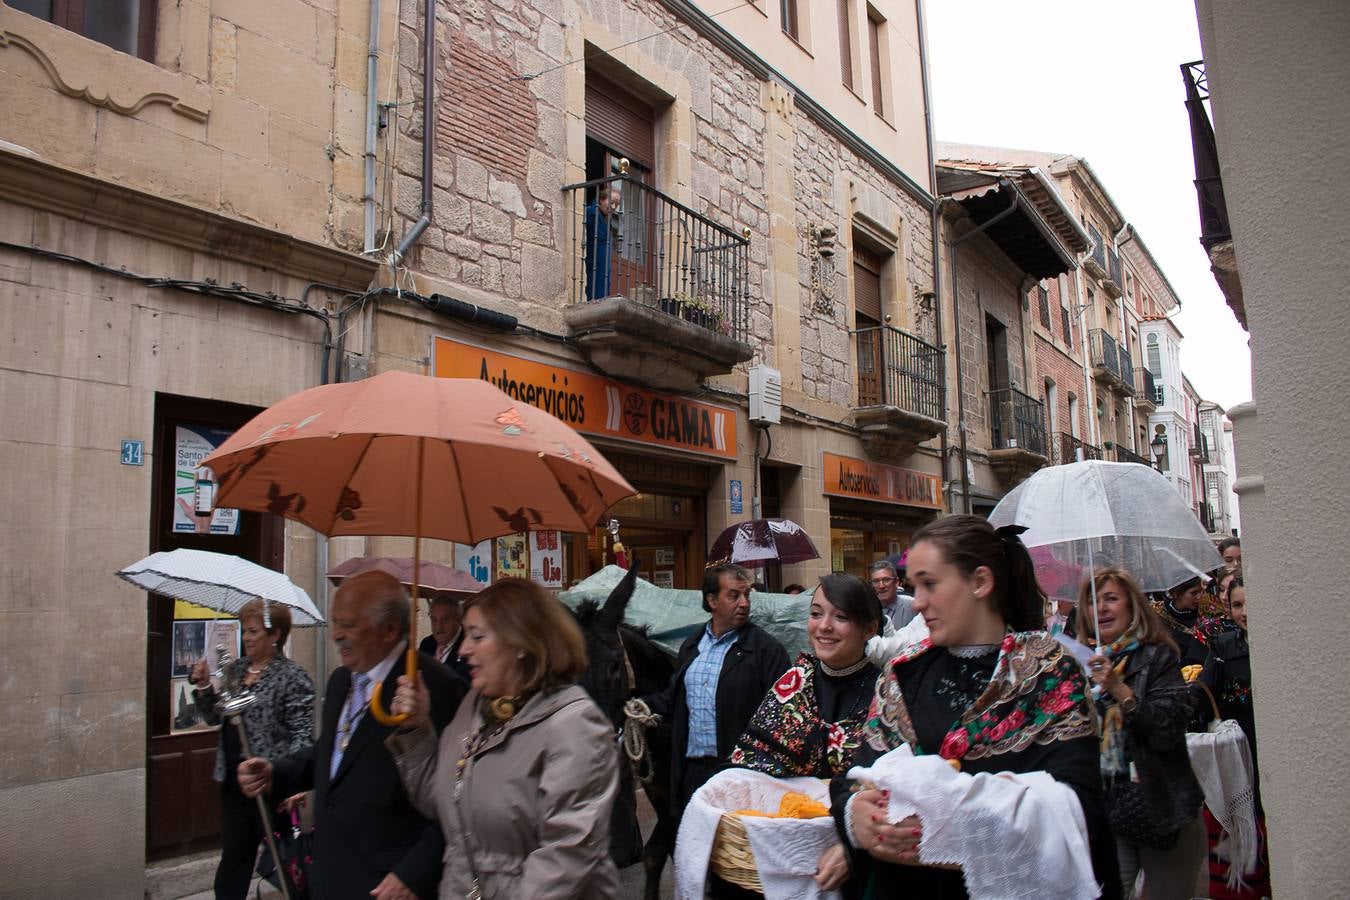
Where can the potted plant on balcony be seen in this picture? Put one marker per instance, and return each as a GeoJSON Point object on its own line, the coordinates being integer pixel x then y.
{"type": "Point", "coordinates": [696, 311]}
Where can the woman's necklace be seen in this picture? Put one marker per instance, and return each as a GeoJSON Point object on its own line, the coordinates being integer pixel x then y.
{"type": "Point", "coordinates": [847, 670]}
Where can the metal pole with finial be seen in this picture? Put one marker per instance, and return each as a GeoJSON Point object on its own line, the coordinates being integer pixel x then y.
{"type": "Point", "coordinates": [232, 706]}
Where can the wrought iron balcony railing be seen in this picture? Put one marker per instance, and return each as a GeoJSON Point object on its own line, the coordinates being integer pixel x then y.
{"type": "Point", "coordinates": [1017, 421]}
{"type": "Point", "coordinates": [1126, 371]}
{"type": "Point", "coordinates": [1066, 449]}
{"type": "Point", "coordinates": [1113, 269]}
{"type": "Point", "coordinates": [1098, 249]}
{"type": "Point", "coordinates": [896, 368]}
{"type": "Point", "coordinates": [1214, 226]}
{"type": "Point", "coordinates": [1121, 454]}
{"type": "Point", "coordinates": [1144, 386]}
{"type": "Point", "coordinates": [1103, 352]}
{"type": "Point", "coordinates": [651, 249]}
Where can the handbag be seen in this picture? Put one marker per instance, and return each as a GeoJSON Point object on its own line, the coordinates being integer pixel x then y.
{"type": "Point", "coordinates": [295, 846]}
{"type": "Point", "coordinates": [1132, 819]}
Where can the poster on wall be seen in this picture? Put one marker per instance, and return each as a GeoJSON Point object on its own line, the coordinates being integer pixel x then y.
{"type": "Point", "coordinates": [189, 645]}
{"type": "Point", "coordinates": [546, 558]}
{"type": "Point", "coordinates": [476, 559]}
{"type": "Point", "coordinates": [194, 487]}
{"type": "Point", "coordinates": [222, 633]}
{"type": "Point", "coordinates": [663, 578]}
{"type": "Point", "coordinates": [183, 713]}
{"type": "Point", "coordinates": [513, 556]}
{"type": "Point", "coordinates": [663, 556]}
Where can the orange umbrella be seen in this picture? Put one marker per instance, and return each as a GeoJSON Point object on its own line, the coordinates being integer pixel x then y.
{"type": "Point", "coordinates": [402, 454]}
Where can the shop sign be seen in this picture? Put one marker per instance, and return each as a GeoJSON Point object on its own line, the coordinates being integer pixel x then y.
{"type": "Point", "coordinates": [595, 405]}
{"type": "Point", "coordinates": [866, 480]}
{"type": "Point", "coordinates": [476, 559]}
{"type": "Point", "coordinates": [546, 558]}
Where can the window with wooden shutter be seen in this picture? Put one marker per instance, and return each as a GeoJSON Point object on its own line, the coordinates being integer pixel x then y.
{"type": "Point", "coordinates": [620, 120]}
{"type": "Point", "coordinates": [867, 284]}
{"type": "Point", "coordinates": [845, 43]}
{"type": "Point", "coordinates": [874, 49]}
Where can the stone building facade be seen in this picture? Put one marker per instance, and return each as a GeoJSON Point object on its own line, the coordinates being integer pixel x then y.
{"type": "Point", "coordinates": [202, 224]}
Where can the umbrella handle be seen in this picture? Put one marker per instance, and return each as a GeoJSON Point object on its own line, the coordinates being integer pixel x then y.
{"type": "Point", "coordinates": [377, 708]}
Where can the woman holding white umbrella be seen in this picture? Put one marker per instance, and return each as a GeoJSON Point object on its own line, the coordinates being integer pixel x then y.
{"type": "Point", "coordinates": [1152, 797]}
{"type": "Point", "coordinates": [280, 721]}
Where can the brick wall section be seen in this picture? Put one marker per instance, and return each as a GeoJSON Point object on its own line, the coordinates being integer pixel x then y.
{"type": "Point", "coordinates": [485, 110]}
{"type": "Point", "coordinates": [1067, 373]}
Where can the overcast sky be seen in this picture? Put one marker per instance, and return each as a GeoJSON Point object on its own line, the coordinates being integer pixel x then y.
{"type": "Point", "coordinates": [1100, 79]}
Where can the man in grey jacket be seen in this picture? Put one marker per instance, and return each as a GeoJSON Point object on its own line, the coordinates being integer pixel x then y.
{"type": "Point", "coordinates": [897, 607]}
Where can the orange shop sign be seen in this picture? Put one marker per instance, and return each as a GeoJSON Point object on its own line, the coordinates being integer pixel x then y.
{"type": "Point", "coordinates": [595, 405]}
{"type": "Point", "coordinates": [866, 480]}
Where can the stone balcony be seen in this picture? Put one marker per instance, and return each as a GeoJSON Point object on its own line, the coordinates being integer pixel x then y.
{"type": "Point", "coordinates": [632, 341]}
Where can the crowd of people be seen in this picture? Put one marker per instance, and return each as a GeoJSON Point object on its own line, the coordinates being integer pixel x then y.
{"type": "Point", "coordinates": [500, 773]}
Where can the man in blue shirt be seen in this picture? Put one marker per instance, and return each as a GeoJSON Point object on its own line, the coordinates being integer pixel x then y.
{"type": "Point", "coordinates": [722, 673]}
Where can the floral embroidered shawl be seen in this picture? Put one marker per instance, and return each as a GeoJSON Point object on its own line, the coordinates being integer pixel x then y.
{"type": "Point", "coordinates": [1037, 694]}
{"type": "Point", "coordinates": [787, 737]}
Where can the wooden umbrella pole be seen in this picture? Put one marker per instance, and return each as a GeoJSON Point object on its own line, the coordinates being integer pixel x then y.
{"type": "Point", "coordinates": [376, 706]}
{"type": "Point", "coordinates": [263, 812]}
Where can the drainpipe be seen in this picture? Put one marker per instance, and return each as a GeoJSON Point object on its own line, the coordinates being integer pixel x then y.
{"type": "Point", "coordinates": [372, 123]}
{"type": "Point", "coordinates": [936, 228]}
{"type": "Point", "coordinates": [1085, 345]}
{"type": "Point", "coordinates": [428, 130]}
{"type": "Point", "coordinates": [1003, 184]}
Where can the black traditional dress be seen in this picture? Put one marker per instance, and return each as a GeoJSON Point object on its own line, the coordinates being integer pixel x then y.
{"type": "Point", "coordinates": [810, 723]}
{"type": "Point", "coordinates": [1018, 707]}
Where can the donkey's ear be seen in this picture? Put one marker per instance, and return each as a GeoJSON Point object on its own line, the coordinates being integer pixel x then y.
{"type": "Point", "coordinates": [611, 615]}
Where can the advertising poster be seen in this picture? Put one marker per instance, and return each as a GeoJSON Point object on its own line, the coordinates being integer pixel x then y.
{"type": "Point", "coordinates": [189, 645]}
{"type": "Point", "coordinates": [546, 558]}
{"type": "Point", "coordinates": [183, 713]}
{"type": "Point", "coordinates": [222, 633]}
{"type": "Point", "coordinates": [192, 443]}
{"type": "Point", "coordinates": [663, 578]}
{"type": "Point", "coordinates": [513, 556]}
{"type": "Point", "coordinates": [476, 560]}
{"type": "Point", "coordinates": [663, 556]}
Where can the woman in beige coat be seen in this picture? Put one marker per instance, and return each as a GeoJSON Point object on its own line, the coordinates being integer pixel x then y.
{"type": "Point", "coordinates": [523, 778]}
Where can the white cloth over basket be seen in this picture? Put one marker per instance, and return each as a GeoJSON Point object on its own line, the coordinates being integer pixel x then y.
{"type": "Point", "coordinates": [786, 851]}
{"type": "Point", "coordinates": [1222, 763]}
{"type": "Point", "coordinates": [1012, 835]}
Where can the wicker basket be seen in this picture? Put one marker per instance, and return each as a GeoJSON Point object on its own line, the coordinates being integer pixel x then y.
{"type": "Point", "coordinates": [731, 857]}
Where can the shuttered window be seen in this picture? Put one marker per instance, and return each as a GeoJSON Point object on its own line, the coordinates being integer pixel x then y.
{"type": "Point", "coordinates": [867, 283]}
{"type": "Point", "coordinates": [845, 45]}
{"type": "Point", "coordinates": [874, 48]}
{"type": "Point", "coordinates": [620, 120]}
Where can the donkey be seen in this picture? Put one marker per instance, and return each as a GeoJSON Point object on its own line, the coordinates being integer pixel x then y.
{"type": "Point", "coordinates": [624, 662]}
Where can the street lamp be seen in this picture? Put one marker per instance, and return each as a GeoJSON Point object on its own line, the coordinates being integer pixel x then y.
{"type": "Point", "coordinates": [1159, 448]}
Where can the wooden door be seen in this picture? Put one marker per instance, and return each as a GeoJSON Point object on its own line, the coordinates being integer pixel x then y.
{"type": "Point", "coordinates": [182, 800]}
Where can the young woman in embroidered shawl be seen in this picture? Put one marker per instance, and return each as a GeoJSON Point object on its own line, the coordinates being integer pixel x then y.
{"type": "Point", "coordinates": [988, 690]}
{"type": "Point", "coordinates": [811, 721]}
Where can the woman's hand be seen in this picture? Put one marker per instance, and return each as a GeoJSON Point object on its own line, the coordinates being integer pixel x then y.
{"type": "Point", "coordinates": [201, 673]}
{"type": "Point", "coordinates": [832, 870]}
{"type": "Point", "coordinates": [892, 842]}
{"type": "Point", "coordinates": [414, 700]}
{"type": "Point", "coordinates": [1104, 674]}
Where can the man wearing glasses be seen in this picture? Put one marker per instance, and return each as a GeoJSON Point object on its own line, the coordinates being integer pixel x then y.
{"type": "Point", "coordinates": [898, 607]}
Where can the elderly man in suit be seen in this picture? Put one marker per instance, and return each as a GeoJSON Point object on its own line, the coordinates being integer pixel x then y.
{"type": "Point", "coordinates": [447, 633]}
{"type": "Point", "coordinates": [368, 838]}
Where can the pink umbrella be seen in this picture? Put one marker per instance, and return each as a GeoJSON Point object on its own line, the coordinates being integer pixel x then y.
{"type": "Point", "coordinates": [434, 578]}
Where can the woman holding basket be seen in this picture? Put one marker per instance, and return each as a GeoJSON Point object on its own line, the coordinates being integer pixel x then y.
{"type": "Point", "coordinates": [988, 691]}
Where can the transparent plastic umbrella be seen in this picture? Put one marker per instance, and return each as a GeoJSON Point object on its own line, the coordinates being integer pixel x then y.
{"type": "Point", "coordinates": [1092, 514]}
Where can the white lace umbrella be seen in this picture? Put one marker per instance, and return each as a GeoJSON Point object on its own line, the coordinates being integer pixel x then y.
{"type": "Point", "coordinates": [220, 582]}
{"type": "Point", "coordinates": [1092, 514]}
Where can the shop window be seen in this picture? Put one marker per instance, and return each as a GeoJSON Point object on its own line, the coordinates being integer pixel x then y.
{"type": "Point", "coordinates": [126, 25]}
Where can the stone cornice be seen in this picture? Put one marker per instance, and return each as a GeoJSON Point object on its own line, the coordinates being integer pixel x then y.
{"type": "Point", "coordinates": [706, 26]}
{"type": "Point", "coordinates": [42, 185]}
